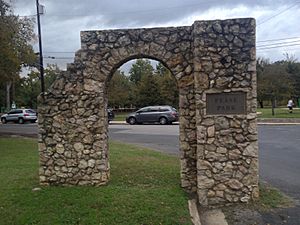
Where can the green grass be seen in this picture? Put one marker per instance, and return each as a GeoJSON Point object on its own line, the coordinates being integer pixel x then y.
{"type": "Point", "coordinates": [120, 116]}
{"type": "Point", "coordinates": [144, 189]}
{"type": "Point", "coordinates": [272, 198]}
{"type": "Point", "coordinates": [279, 113]}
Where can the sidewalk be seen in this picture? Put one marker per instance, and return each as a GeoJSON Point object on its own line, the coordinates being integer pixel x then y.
{"type": "Point", "coordinates": [278, 121]}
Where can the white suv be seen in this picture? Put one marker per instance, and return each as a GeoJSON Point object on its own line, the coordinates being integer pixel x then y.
{"type": "Point", "coordinates": [20, 116]}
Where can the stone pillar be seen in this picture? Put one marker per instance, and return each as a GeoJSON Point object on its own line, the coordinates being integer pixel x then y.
{"type": "Point", "coordinates": [187, 135]}
{"type": "Point", "coordinates": [227, 149]}
{"type": "Point", "coordinates": [73, 133]}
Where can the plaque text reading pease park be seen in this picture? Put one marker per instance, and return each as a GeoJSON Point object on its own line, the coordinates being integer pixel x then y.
{"type": "Point", "coordinates": [226, 103]}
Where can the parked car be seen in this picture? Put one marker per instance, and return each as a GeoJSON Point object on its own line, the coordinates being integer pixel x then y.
{"type": "Point", "coordinates": [152, 114]}
{"type": "Point", "coordinates": [20, 116]}
{"type": "Point", "coordinates": [110, 114]}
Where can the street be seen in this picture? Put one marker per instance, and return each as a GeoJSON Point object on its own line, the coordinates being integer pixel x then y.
{"type": "Point", "coordinates": [279, 147]}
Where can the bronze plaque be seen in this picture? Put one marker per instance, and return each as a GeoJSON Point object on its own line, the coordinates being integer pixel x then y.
{"type": "Point", "coordinates": [226, 103]}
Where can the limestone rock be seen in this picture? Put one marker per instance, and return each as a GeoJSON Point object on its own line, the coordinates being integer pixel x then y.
{"type": "Point", "coordinates": [235, 184]}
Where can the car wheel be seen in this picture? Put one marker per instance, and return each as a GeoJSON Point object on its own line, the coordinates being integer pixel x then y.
{"type": "Point", "coordinates": [163, 120]}
{"type": "Point", "coordinates": [20, 120]}
{"type": "Point", "coordinates": [3, 120]}
{"type": "Point", "coordinates": [132, 121]}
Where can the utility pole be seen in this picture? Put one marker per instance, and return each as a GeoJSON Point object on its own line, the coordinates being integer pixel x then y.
{"type": "Point", "coordinates": [40, 47]}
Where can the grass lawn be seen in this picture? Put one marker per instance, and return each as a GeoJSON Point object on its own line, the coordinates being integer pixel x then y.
{"type": "Point", "coordinates": [120, 116]}
{"type": "Point", "coordinates": [271, 197]}
{"type": "Point", "coordinates": [144, 189]}
{"type": "Point", "coordinates": [279, 113]}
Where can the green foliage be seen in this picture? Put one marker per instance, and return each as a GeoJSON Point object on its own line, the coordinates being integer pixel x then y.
{"type": "Point", "coordinates": [168, 86]}
{"type": "Point", "coordinates": [141, 68]}
{"type": "Point", "coordinates": [144, 86]}
{"type": "Point", "coordinates": [15, 37]}
{"type": "Point", "coordinates": [29, 87]}
{"type": "Point", "coordinates": [277, 81]}
{"type": "Point", "coordinates": [293, 68]}
{"type": "Point", "coordinates": [144, 189]}
{"type": "Point", "coordinates": [147, 92]}
{"type": "Point", "coordinates": [119, 90]}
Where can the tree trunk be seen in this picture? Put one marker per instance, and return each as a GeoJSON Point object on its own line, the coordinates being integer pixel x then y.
{"type": "Point", "coordinates": [8, 86]}
{"type": "Point", "coordinates": [261, 103]}
{"type": "Point", "coordinates": [273, 105]}
{"type": "Point", "coordinates": [13, 91]}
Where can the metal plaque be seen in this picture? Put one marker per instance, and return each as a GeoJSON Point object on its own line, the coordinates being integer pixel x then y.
{"type": "Point", "coordinates": [226, 103]}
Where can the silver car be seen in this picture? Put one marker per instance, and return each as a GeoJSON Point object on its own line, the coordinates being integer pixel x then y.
{"type": "Point", "coordinates": [20, 116]}
{"type": "Point", "coordinates": [153, 114]}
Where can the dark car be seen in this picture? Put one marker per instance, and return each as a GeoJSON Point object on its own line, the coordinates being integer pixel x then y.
{"type": "Point", "coordinates": [153, 114]}
{"type": "Point", "coordinates": [110, 114]}
{"type": "Point", "coordinates": [20, 116]}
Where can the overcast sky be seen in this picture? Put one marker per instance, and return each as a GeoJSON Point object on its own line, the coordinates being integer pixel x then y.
{"type": "Point", "coordinates": [277, 20]}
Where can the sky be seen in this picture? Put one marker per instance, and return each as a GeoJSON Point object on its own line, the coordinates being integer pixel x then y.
{"type": "Point", "coordinates": [278, 31]}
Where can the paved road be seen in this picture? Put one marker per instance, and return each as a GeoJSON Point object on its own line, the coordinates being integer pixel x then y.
{"type": "Point", "coordinates": [279, 150]}
{"type": "Point", "coordinates": [163, 138]}
{"type": "Point", "coordinates": [26, 129]}
{"type": "Point", "coordinates": [279, 155]}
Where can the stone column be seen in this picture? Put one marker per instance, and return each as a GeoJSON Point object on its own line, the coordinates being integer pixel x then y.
{"type": "Point", "coordinates": [227, 149]}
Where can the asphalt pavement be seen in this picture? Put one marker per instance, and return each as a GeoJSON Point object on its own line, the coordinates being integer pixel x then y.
{"type": "Point", "coordinates": [26, 129]}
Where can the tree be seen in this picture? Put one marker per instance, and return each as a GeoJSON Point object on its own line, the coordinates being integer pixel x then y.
{"type": "Point", "coordinates": [140, 68]}
{"type": "Point", "coordinates": [262, 91]}
{"type": "Point", "coordinates": [119, 90]}
{"type": "Point", "coordinates": [16, 51]}
{"type": "Point", "coordinates": [167, 85]}
{"type": "Point", "coordinates": [147, 92]}
{"type": "Point", "coordinates": [144, 86]}
{"type": "Point", "coordinates": [293, 68]}
{"type": "Point", "coordinates": [274, 83]}
{"type": "Point", "coordinates": [28, 88]}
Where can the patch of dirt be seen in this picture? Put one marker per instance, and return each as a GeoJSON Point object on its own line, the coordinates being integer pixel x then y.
{"type": "Point", "coordinates": [249, 215]}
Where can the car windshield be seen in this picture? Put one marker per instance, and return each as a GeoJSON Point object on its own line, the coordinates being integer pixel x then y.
{"type": "Point", "coordinates": [143, 110]}
{"type": "Point", "coordinates": [29, 111]}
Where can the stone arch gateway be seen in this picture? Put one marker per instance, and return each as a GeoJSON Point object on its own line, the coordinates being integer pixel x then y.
{"type": "Point", "coordinates": [214, 65]}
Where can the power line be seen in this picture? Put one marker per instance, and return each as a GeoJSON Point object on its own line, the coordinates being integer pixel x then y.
{"type": "Point", "coordinates": [280, 46]}
{"type": "Point", "coordinates": [283, 50]}
{"type": "Point", "coordinates": [281, 12]}
{"type": "Point", "coordinates": [278, 43]}
{"type": "Point", "coordinates": [280, 39]}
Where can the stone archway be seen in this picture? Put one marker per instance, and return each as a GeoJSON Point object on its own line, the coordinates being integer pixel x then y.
{"type": "Point", "coordinates": [212, 61]}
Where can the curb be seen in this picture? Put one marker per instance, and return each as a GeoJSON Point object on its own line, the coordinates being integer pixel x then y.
{"type": "Point", "coordinates": [124, 123]}
{"type": "Point", "coordinates": [201, 216]}
{"type": "Point", "coordinates": [259, 122]}
{"type": "Point", "coordinates": [265, 123]}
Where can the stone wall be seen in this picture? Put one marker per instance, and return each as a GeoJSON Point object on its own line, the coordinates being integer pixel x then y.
{"type": "Point", "coordinates": [218, 152]}
{"type": "Point", "coordinates": [227, 149]}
